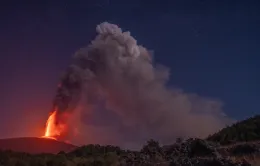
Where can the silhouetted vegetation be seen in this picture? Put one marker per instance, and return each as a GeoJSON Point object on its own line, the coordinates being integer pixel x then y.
{"type": "Point", "coordinates": [193, 152]}
{"type": "Point", "coordinates": [244, 131]}
{"type": "Point", "coordinates": [244, 149]}
{"type": "Point", "coordinates": [190, 152]}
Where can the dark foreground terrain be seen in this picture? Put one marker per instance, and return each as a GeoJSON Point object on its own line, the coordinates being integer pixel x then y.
{"type": "Point", "coordinates": [192, 152]}
{"type": "Point", "coordinates": [236, 145]}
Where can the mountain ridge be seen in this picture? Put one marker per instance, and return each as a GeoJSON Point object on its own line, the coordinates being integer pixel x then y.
{"type": "Point", "coordinates": [35, 145]}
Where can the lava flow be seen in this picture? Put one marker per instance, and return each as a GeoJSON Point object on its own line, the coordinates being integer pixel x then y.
{"type": "Point", "coordinates": [53, 130]}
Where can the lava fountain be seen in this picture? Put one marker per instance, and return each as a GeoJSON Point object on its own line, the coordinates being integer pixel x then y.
{"type": "Point", "coordinates": [53, 130]}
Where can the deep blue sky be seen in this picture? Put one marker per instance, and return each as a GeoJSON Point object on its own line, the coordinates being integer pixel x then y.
{"type": "Point", "coordinates": [211, 46]}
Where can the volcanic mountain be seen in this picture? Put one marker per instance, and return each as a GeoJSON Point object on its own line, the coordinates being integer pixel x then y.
{"type": "Point", "coordinates": [35, 145]}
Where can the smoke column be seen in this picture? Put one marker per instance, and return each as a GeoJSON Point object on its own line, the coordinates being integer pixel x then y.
{"type": "Point", "coordinates": [115, 95]}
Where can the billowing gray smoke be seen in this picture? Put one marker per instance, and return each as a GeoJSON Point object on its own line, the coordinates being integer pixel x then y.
{"type": "Point", "coordinates": [121, 98]}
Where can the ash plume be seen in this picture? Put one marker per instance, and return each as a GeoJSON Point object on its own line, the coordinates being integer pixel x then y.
{"type": "Point", "coordinates": [117, 96]}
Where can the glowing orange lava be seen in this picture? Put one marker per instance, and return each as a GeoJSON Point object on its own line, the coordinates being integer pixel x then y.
{"type": "Point", "coordinates": [53, 130]}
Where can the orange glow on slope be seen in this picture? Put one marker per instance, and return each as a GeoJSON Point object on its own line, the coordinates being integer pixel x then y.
{"type": "Point", "coordinates": [53, 130]}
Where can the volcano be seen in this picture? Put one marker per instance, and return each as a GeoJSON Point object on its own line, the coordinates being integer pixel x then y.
{"type": "Point", "coordinates": [34, 145]}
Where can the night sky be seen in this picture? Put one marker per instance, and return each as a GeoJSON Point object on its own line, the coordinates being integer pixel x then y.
{"type": "Point", "coordinates": [212, 48]}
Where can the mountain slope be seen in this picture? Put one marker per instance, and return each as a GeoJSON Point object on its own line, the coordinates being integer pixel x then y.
{"type": "Point", "coordinates": [243, 131]}
{"type": "Point", "coordinates": [35, 145]}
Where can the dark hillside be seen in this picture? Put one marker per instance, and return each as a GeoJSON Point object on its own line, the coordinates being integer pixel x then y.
{"type": "Point", "coordinates": [236, 145]}
{"type": "Point", "coordinates": [35, 145]}
{"type": "Point", "coordinates": [192, 152]}
{"type": "Point", "coordinates": [243, 131]}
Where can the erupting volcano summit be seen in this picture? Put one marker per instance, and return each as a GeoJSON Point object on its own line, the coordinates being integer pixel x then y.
{"type": "Point", "coordinates": [113, 82]}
